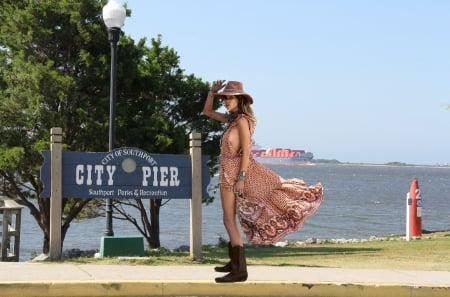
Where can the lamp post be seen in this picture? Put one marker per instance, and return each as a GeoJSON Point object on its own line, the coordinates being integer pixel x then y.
{"type": "Point", "coordinates": [114, 17]}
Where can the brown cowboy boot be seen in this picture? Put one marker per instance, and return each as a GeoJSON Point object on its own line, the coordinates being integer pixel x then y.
{"type": "Point", "coordinates": [226, 267]}
{"type": "Point", "coordinates": [238, 267]}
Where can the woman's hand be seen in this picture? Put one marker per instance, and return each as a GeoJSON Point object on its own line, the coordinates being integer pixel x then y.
{"type": "Point", "coordinates": [217, 85]}
{"type": "Point", "coordinates": [239, 188]}
{"type": "Point", "coordinates": [208, 108]}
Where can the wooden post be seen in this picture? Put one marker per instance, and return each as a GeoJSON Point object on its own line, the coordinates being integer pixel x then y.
{"type": "Point", "coordinates": [196, 199]}
{"type": "Point", "coordinates": [55, 193]}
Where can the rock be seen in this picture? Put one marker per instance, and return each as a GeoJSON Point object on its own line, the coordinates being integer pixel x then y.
{"type": "Point", "coordinates": [77, 253]}
{"type": "Point", "coordinates": [319, 241]}
{"type": "Point", "coordinates": [310, 241]}
{"type": "Point", "coordinates": [281, 244]}
{"type": "Point", "coordinates": [300, 243]}
{"type": "Point", "coordinates": [339, 240]}
{"type": "Point", "coordinates": [184, 248]}
{"type": "Point", "coordinates": [41, 257]}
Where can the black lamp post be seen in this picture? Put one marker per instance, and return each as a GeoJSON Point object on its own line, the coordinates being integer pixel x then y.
{"type": "Point", "coordinates": [114, 17]}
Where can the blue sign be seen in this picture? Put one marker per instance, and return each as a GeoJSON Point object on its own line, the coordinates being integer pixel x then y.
{"type": "Point", "coordinates": [124, 173]}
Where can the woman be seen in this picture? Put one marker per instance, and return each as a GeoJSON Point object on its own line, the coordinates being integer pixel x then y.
{"type": "Point", "coordinates": [268, 206]}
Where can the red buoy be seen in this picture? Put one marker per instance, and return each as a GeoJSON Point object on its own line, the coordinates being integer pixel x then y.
{"type": "Point", "coordinates": [414, 211]}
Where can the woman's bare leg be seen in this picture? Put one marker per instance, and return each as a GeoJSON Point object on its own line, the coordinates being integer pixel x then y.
{"type": "Point", "coordinates": [229, 217]}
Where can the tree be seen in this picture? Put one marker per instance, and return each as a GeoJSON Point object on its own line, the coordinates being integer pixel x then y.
{"type": "Point", "coordinates": [47, 48]}
{"type": "Point", "coordinates": [54, 72]}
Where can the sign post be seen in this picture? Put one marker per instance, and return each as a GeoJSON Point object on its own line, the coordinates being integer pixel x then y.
{"type": "Point", "coordinates": [196, 201]}
{"type": "Point", "coordinates": [124, 173]}
{"type": "Point", "coordinates": [55, 193]}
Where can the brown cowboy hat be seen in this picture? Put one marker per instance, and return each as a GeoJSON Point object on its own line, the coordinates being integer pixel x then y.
{"type": "Point", "coordinates": [234, 88]}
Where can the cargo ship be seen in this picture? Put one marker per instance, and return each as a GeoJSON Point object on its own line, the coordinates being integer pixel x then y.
{"type": "Point", "coordinates": [281, 155]}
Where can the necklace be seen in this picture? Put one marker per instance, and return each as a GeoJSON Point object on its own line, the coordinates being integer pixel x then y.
{"type": "Point", "coordinates": [233, 116]}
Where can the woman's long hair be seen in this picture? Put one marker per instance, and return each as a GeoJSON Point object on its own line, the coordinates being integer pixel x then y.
{"type": "Point", "coordinates": [244, 107]}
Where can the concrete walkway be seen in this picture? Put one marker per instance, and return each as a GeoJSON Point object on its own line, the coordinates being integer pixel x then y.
{"type": "Point", "coordinates": [76, 280]}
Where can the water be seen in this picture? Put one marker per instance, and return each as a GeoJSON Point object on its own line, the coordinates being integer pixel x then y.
{"type": "Point", "coordinates": [359, 201]}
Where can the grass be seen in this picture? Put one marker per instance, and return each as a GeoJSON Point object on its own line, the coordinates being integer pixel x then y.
{"type": "Point", "coordinates": [432, 252]}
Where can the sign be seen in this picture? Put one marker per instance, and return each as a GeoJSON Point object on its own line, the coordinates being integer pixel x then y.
{"type": "Point", "coordinates": [124, 173]}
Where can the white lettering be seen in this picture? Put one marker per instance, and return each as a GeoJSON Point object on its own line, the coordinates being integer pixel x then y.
{"type": "Point", "coordinates": [98, 169]}
{"type": "Point", "coordinates": [85, 173]}
{"type": "Point", "coordinates": [162, 176]}
{"type": "Point", "coordinates": [89, 175]}
{"type": "Point", "coordinates": [174, 181]}
{"type": "Point", "coordinates": [107, 158]}
{"type": "Point", "coordinates": [155, 176]}
{"type": "Point", "coordinates": [101, 192]}
{"type": "Point", "coordinates": [124, 192]}
{"type": "Point", "coordinates": [79, 179]}
{"type": "Point", "coordinates": [150, 193]}
{"type": "Point", "coordinates": [146, 173]}
{"type": "Point", "coordinates": [163, 181]}
{"type": "Point", "coordinates": [110, 169]}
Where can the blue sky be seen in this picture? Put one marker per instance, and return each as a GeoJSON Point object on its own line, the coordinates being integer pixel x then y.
{"type": "Point", "coordinates": [352, 80]}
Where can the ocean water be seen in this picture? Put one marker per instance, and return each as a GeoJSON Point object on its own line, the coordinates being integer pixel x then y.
{"type": "Point", "coordinates": [359, 201]}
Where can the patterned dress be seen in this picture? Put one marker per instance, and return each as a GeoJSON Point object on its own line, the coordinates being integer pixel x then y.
{"type": "Point", "coordinates": [271, 206]}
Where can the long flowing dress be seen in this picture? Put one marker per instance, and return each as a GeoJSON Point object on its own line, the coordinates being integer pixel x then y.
{"type": "Point", "coordinates": [271, 206]}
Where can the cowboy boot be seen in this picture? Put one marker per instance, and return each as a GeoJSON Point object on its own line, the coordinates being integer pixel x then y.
{"type": "Point", "coordinates": [238, 267]}
{"type": "Point", "coordinates": [226, 267]}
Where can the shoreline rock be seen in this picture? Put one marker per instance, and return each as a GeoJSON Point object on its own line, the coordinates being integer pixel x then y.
{"type": "Point", "coordinates": [77, 253]}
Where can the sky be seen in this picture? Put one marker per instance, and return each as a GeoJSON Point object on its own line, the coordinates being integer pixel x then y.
{"type": "Point", "coordinates": [351, 80]}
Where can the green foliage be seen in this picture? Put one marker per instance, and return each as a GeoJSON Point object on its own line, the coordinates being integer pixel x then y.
{"type": "Point", "coordinates": [55, 72]}
{"type": "Point", "coordinates": [396, 164]}
{"type": "Point", "coordinates": [10, 157]}
{"type": "Point", "coordinates": [326, 161]}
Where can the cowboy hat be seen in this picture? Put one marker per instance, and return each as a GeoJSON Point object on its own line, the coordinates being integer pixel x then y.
{"type": "Point", "coordinates": [234, 88]}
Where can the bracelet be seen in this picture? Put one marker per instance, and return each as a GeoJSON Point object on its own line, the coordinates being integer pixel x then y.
{"type": "Point", "coordinates": [242, 175]}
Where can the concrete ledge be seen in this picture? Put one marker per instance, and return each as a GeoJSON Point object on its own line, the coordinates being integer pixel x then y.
{"type": "Point", "coordinates": [209, 288]}
{"type": "Point", "coordinates": [83, 280]}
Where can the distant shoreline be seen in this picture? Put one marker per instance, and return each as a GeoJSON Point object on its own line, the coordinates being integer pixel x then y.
{"type": "Point", "coordinates": [336, 162]}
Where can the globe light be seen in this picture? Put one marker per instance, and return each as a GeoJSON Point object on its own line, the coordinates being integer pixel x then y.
{"type": "Point", "coordinates": [114, 14]}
